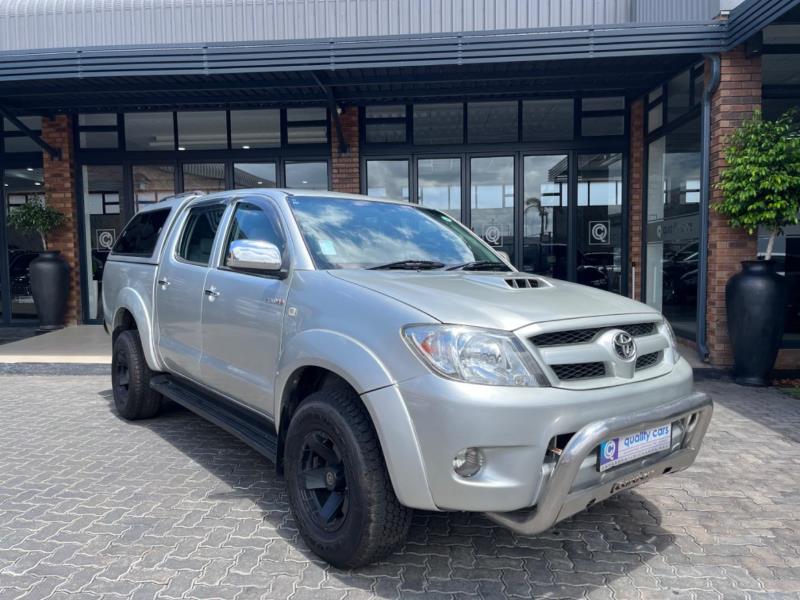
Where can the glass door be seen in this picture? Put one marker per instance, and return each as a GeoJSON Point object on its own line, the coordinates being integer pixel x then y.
{"type": "Point", "coordinates": [492, 201]}
{"type": "Point", "coordinates": [545, 215]}
{"type": "Point", "coordinates": [599, 221]}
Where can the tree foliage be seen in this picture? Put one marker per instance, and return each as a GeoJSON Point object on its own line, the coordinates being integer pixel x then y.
{"type": "Point", "coordinates": [761, 184]}
{"type": "Point", "coordinates": [35, 217]}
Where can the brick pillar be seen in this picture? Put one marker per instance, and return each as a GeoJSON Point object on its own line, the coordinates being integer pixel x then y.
{"type": "Point", "coordinates": [59, 186]}
{"type": "Point", "coordinates": [636, 196]}
{"type": "Point", "coordinates": [345, 166]}
{"type": "Point", "coordinates": [738, 95]}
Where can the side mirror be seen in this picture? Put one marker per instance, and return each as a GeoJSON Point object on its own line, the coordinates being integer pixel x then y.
{"type": "Point", "coordinates": [254, 255]}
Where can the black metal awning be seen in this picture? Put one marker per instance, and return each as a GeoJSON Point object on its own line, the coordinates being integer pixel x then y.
{"type": "Point", "coordinates": [630, 76]}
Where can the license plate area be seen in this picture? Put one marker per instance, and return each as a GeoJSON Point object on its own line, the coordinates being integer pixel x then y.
{"type": "Point", "coordinates": [632, 446]}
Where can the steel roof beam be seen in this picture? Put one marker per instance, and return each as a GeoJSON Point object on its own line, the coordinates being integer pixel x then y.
{"type": "Point", "coordinates": [54, 153]}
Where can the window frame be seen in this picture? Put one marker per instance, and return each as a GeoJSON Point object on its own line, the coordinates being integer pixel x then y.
{"type": "Point", "coordinates": [208, 205]}
{"type": "Point", "coordinates": [266, 208]}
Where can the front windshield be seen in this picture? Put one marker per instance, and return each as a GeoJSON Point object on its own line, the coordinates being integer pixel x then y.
{"type": "Point", "coordinates": [343, 233]}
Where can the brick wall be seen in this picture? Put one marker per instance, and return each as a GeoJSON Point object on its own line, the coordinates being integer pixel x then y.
{"type": "Point", "coordinates": [59, 186]}
{"type": "Point", "coordinates": [738, 95]}
{"type": "Point", "coordinates": [345, 166]}
{"type": "Point", "coordinates": [636, 196]}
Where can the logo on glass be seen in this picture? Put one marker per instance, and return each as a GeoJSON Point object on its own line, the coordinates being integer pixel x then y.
{"type": "Point", "coordinates": [624, 346]}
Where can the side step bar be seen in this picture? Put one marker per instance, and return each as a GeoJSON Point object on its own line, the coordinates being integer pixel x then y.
{"type": "Point", "coordinates": [254, 430]}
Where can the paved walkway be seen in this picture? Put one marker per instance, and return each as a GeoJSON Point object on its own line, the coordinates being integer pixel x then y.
{"type": "Point", "coordinates": [92, 506]}
{"type": "Point", "coordinates": [83, 345]}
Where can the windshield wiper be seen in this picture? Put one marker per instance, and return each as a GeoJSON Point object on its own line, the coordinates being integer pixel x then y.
{"type": "Point", "coordinates": [480, 265]}
{"type": "Point", "coordinates": [410, 265]}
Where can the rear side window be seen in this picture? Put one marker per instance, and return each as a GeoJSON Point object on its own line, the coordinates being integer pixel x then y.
{"type": "Point", "coordinates": [198, 234]}
{"type": "Point", "coordinates": [139, 238]}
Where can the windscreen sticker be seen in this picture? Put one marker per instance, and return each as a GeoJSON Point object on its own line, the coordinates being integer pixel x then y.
{"type": "Point", "coordinates": [327, 247]}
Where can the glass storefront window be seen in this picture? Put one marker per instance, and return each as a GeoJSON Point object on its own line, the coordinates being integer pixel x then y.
{"type": "Point", "coordinates": [388, 179]}
{"type": "Point", "coordinates": [545, 215]}
{"type": "Point", "coordinates": [599, 218]}
{"type": "Point", "coordinates": [149, 131]}
{"type": "Point", "coordinates": [255, 129]}
{"type": "Point", "coordinates": [15, 140]}
{"type": "Point", "coordinates": [439, 123]}
{"type": "Point", "coordinates": [98, 119]}
{"type": "Point", "coordinates": [21, 186]}
{"type": "Point", "coordinates": [678, 95]}
{"type": "Point", "coordinates": [202, 130]}
{"type": "Point", "coordinates": [306, 125]}
{"type": "Point", "coordinates": [489, 122]}
{"type": "Point", "coordinates": [605, 125]}
{"type": "Point", "coordinates": [492, 201]}
{"type": "Point", "coordinates": [385, 124]}
{"type": "Point", "coordinates": [204, 177]}
{"type": "Point", "coordinates": [307, 175]}
{"type": "Point", "coordinates": [102, 223]}
{"type": "Point", "coordinates": [152, 183]}
{"type": "Point", "coordinates": [547, 120]}
{"type": "Point", "coordinates": [673, 225]}
{"type": "Point", "coordinates": [439, 182]}
{"type": "Point", "coordinates": [254, 175]}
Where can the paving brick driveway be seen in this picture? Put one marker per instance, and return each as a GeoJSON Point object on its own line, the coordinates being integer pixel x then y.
{"type": "Point", "coordinates": [92, 506]}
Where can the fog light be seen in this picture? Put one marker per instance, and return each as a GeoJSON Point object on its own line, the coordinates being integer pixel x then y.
{"type": "Point", "coordinates": [468, 462]}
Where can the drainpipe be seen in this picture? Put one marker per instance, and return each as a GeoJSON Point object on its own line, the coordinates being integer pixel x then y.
{"type": "Point", "coordinates": [705, 197]}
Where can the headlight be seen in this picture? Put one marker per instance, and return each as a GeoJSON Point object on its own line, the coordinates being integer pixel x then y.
{"type": "Point", "coordinates": [474, 355]}
{"type": "Point", "coordinates": [673, 342]}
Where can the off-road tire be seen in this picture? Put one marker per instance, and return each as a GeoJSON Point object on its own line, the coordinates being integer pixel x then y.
{"type": "Point", "coordinates": [375, 523]}
{"type": "Point", "coordinates": [130, 379]}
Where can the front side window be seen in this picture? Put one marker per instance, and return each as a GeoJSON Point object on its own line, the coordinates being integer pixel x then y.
{"type": "Point", "coordinates": [139, 238]}
{"type": "Point", "coordinates": [358, 234]}
{"type": "Point", "coordinates": [252, 223]}
{"type": "Point", "coordinates": [198, 235]}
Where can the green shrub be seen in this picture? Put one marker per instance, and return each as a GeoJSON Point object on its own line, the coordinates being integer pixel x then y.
{"type": "Point", "coordinates": [761, 185]}
{"type": "Point", "coordinates": [35, 217]}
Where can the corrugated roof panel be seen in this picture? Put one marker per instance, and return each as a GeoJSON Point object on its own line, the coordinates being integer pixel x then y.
{"type": "Point", "coordinates": [38, 24]}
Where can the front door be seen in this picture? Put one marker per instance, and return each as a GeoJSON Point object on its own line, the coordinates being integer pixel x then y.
{"type": "Point", "coordinates": [180, 288]}
{"type": "Point", "coordinates": [243, 314]}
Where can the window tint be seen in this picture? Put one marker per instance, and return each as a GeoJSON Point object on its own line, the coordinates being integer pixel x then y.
{"type": "Point", "coordinates": [252, 223]}
{"type": "Point", "coordinates": [140, 236]}
{"type": "Point", "coordinates": [198, 234]}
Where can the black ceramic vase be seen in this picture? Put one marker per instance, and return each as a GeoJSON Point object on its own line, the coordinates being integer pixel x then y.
{"type": "Point", "coordinates": [756, 303]}
{"type": "Point", "coordinates": [50, 285]}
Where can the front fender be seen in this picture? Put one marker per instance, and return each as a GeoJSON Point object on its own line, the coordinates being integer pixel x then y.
{"type": "Point", "coordinates": [130, 300]}
{"type": "Point", "coordinates": [338, 353]}
{"type": "Point", "coordinates": [370, 378]}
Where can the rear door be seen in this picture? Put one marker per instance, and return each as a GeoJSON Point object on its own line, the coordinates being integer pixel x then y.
{"type": "Point", "coordinates": [180, 287]}
{"type": "Point", "coordinates": [243, 315]}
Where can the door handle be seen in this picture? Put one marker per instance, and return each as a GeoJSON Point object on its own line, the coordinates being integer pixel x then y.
{"type": "Point", "coordinates": [211, 292]}
{"type": "Point", "coordinates": [164, 282]}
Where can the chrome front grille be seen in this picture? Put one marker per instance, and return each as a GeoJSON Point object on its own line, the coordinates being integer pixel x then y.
{"type": "Point", "coordinates": [579, 371]}
{"type": "Point", "coordinates": [584, 336]}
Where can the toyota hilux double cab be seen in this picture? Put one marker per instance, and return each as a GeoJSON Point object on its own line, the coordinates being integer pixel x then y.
{"type": "Point", "coordinates": [387, 359]}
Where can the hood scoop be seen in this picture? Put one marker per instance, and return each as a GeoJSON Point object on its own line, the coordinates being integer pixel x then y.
{"type": "Point", "coordinates": [522, 283]}
{"type": "Point", "coordinates": [519, 282]}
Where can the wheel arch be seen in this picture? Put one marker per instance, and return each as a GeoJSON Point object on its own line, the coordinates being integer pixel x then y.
{"type": "Point", "coordinates": [132, 313]}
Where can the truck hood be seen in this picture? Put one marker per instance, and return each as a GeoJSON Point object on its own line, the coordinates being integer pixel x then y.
{"type": "Point", "coordinates": [487, 300]}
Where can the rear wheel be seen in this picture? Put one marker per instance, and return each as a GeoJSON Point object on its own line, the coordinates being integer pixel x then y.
{"type": "Point", "coordinates": [130, 378]}
{"type": "Point", "coordinates": [339, 490]}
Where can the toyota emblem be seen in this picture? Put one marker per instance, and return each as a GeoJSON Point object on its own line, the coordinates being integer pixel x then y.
{"type": "Point", "coordinates": [624, 346]}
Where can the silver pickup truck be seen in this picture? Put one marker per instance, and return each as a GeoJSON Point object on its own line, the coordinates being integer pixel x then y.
{"type": "Point", "coordinates": [387, 359]}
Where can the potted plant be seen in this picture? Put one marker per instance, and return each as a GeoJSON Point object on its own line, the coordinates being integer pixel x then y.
{"type": "Point", "coordinates": [49, 272]}
{"type": "Point", "coordinates": [761, 189]}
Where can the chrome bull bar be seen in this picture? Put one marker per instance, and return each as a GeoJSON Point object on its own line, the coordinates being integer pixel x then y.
{"type": "Point", "coordinates": [557, 500]}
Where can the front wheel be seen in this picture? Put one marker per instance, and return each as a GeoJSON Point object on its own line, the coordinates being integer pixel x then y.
{"type": "Point", "coordinates": [339, 490]}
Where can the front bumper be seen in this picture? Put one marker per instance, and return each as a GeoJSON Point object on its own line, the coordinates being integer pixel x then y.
{"type": "Point", "coordinates": [562, 496]}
